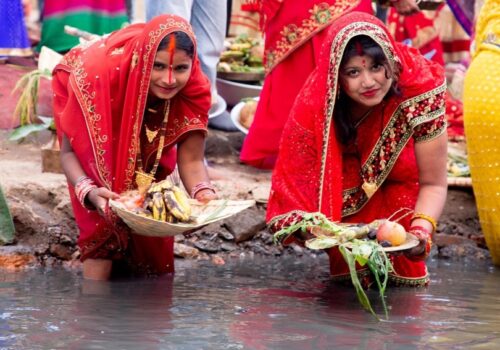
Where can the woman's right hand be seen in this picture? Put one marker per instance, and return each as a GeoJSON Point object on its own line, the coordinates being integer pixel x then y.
{"type": "Point", "coordinates": [99, 198]}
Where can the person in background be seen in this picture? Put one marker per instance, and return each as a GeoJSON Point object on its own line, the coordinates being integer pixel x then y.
{"type": "Point", "coordinates": [482, 123]}
{"type": "Point", "coordinates": [366, 138]}
{"type": "Point", "coordinates": [294, 32]}
{"type": "Point", "coordinates": [93, 16]}
{"type": "Point", "coordinates": [419, 30]}
{"type": "Point", "coordinates": [130, 107]}
{"type": "Point", "coordinates": [14, 40]}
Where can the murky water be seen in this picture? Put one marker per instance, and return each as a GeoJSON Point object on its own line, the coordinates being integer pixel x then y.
{"type": "Point", "coordinates": [249, 304]}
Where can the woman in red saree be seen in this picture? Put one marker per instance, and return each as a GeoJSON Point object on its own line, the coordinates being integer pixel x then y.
{"type": "Point", "coordinates": [361, 152]}
{"type": "Point", "coordinates": [134, 103]}
{"type": "Point", "coordinates": [294, 33]}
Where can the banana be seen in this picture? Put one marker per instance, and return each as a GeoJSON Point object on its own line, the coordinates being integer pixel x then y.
{"type": "Point", "coordinates": [143, 212]}
{"type": "Point", "coordinates": [159, 209]}
{"type": "Point", "coordinates": [173, 206]}
{"type": "Point", "coordinates": [170, 218]}
{"type": "Point", "coordinates": [182, 199]}
{"type": "Point", "coordinates": [160, 186]}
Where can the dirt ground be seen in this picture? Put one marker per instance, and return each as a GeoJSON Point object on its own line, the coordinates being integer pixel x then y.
{"type": "Point", "coordinates": [46, 232]}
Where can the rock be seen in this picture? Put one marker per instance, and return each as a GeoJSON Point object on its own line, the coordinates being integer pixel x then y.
{"type": "Point", "coordinates": [225, 234]}
{"type": "Point", "coordinates": [16, 257]}
{"type": "Point", "coordinates": [228, 247]}
{"type": "Point", "coordinates": [185, 251]}
{"type": "Point", "coordinates": [443, 240]}
{"type": "Point", "coordinates": [207, 246]}
{"type": "Point", "coordinates": [466, 253]}
{"type": "Point", "coordinates": [60, 251]}
{"type": "Point", "coordinates": [246, 224]}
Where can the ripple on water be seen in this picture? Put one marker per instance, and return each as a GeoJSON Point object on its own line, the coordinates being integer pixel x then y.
{"type": "Point", "coordinates": [261, 303]}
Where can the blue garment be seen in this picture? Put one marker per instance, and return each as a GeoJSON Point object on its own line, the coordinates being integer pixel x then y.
{"type": "Point", "coordinates": [208, 19]}
{"type": "Point", "coordinates": [14, 39]}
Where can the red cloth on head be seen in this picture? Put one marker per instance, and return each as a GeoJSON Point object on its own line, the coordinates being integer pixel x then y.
{"type": "Point", "coordinates": [316, 173]}
{"type": "Point", "coordinates": [100, 96]}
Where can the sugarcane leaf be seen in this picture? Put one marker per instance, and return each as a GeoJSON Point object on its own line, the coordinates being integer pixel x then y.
{"type": "Point", "coordinates": [7, 229]}
{"type": "Point", "coordinates": [23, 131]}
{"type": "Point", "coordinates": [362, 297]}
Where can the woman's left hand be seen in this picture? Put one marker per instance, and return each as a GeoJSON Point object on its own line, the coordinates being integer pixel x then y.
{"type": "Point", "coordinates": [206, 196]}
{"type": "Point", "coordinates": [422, 250]}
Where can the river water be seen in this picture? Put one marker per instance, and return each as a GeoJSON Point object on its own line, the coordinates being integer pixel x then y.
{"type": "Point", "coordinates": [247, 304]}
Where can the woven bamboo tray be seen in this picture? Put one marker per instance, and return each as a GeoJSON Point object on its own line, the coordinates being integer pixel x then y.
{"type": "Point", "coordinates": [202, 214]}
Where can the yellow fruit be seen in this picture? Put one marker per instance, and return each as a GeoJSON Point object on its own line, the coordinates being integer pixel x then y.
{"type": "Point", "coordinates": [391, 232]}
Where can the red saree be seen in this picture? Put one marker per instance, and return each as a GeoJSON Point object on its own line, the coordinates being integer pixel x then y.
{"type": "Point", "coordinates": [294, 32]}
{"type": "Point", "coordinates": [314, 172]}
{"type": "Point", "coordinates": [100, 96]}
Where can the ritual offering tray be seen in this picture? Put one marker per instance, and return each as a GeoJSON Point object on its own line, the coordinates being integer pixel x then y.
{"type": "Point", "coordinates": [165, 210]}
{"type": "Point", "coordinates": [364, 245]}
{"type": "Point", "coordinates": [202, 214]}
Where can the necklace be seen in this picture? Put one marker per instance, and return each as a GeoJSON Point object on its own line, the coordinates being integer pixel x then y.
{"type": "Point", "coordinates": [151, 134]}
{"type": "Point", "coordinates": [362, 118]}
{"type": "Point", "coordinates": [143, 179]}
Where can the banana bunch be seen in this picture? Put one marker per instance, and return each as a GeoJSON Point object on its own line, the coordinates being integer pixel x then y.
{"type": "Point", "coordinates": [166, 202]}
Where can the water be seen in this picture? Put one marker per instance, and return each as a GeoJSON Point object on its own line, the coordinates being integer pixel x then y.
{"type": "Point", "coordinates": [248, 304]}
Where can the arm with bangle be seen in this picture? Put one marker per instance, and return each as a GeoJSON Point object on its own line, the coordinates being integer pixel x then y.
{"type": "Point", "coordinates": [431, 162]}
{"type": "Point", "coordinates": [192, 170]}
{"type": "Point", "coordinates": [87, 192]}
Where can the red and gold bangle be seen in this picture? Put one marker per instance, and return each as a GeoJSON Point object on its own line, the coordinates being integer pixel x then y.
{"type": "Point", "coordinates": [426, 217]}
{"type": "Point", "coordinates": [83, 186]}
{"type": "Point", "coordinates": [200, 187]}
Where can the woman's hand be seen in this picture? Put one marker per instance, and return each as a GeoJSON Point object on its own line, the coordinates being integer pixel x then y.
{"type": "Point", "coordinates": [405, 7]}
{"type": "Point", "coordinates": [205, 196]}
{"type": "Point", "coordinates": [422, 250]}
{"type": "Point", "coordinates": [99, 198]}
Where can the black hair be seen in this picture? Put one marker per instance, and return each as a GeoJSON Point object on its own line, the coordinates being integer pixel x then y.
{"type": "Point", "coordinates": [344, 128]}
{"type": "Point", "coordinates": [182, 42]}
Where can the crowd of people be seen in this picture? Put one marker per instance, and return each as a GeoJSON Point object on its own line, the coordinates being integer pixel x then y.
{"type": "Point", "coordinates": [352, 118]}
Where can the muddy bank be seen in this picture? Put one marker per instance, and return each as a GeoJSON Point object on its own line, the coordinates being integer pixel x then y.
{"type": "Point", "coordinates": [46, 231]}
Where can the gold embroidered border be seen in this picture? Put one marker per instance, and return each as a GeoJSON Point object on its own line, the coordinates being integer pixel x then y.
{"type": "Point", "coordinates": [355, 198]}
{"type": "Point", "coordinates": [155, 37]}
{"type": "Point", "coordinates": [86, 98]}
{"type": "Point", "coordinates": [336, 52]}
{"type": "Point", "coordinates": [293, 36]}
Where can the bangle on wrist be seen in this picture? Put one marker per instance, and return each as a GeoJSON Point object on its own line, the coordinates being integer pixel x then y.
{"type": "Point", "coordinates": [83, 186]}
{"type": "Point", "coordinates": [200, 187]}
{"type": "Point", "coordinates": [420, 232]}
{"type": "Point", "coordinates": [427, 218]}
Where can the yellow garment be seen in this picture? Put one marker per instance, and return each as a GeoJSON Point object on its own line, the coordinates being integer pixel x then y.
{"type": "Point", "coordinates": [482, 123]}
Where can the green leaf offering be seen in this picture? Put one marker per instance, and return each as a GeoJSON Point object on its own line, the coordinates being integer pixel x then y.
{"type": "Point", "coordinates": [7, 229]}
{"type": "Point", "coordinates": [354, 249]}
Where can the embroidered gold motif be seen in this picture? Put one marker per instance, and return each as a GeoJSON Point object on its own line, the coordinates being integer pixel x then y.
{"type": "Point", "coordinates": [135, 59]}
{"type": "Point", "coordinates": [293, 35]}
{"type": "Point", "coordinates": [151, 134]}
{"type": "Point", "coordinates": [369, 188]}
{"type": "Point", "coordinates": [117, 51]}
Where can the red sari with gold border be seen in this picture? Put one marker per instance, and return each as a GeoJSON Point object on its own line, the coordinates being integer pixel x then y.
{"type": "Point", "coordinates": [316, 173]}
{"type": "Point", "coordinates": [100, 91]}
{"type": "Point", "coordinates": [294, 32]}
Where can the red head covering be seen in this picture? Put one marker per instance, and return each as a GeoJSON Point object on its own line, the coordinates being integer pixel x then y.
{"type": "Point", "coordinates": [101, 90]}
{"type": "Point", "coordinates": [308, 173]}
{"type": "Point", "coordinates": [108, 88]}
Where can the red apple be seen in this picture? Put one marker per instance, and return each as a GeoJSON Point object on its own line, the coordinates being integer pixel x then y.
{"type": "Point", "coordinates": [392, 232]}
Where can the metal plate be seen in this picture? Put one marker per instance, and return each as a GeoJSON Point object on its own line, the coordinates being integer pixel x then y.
{"type": "Point", "coordinates": [241, 76]}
